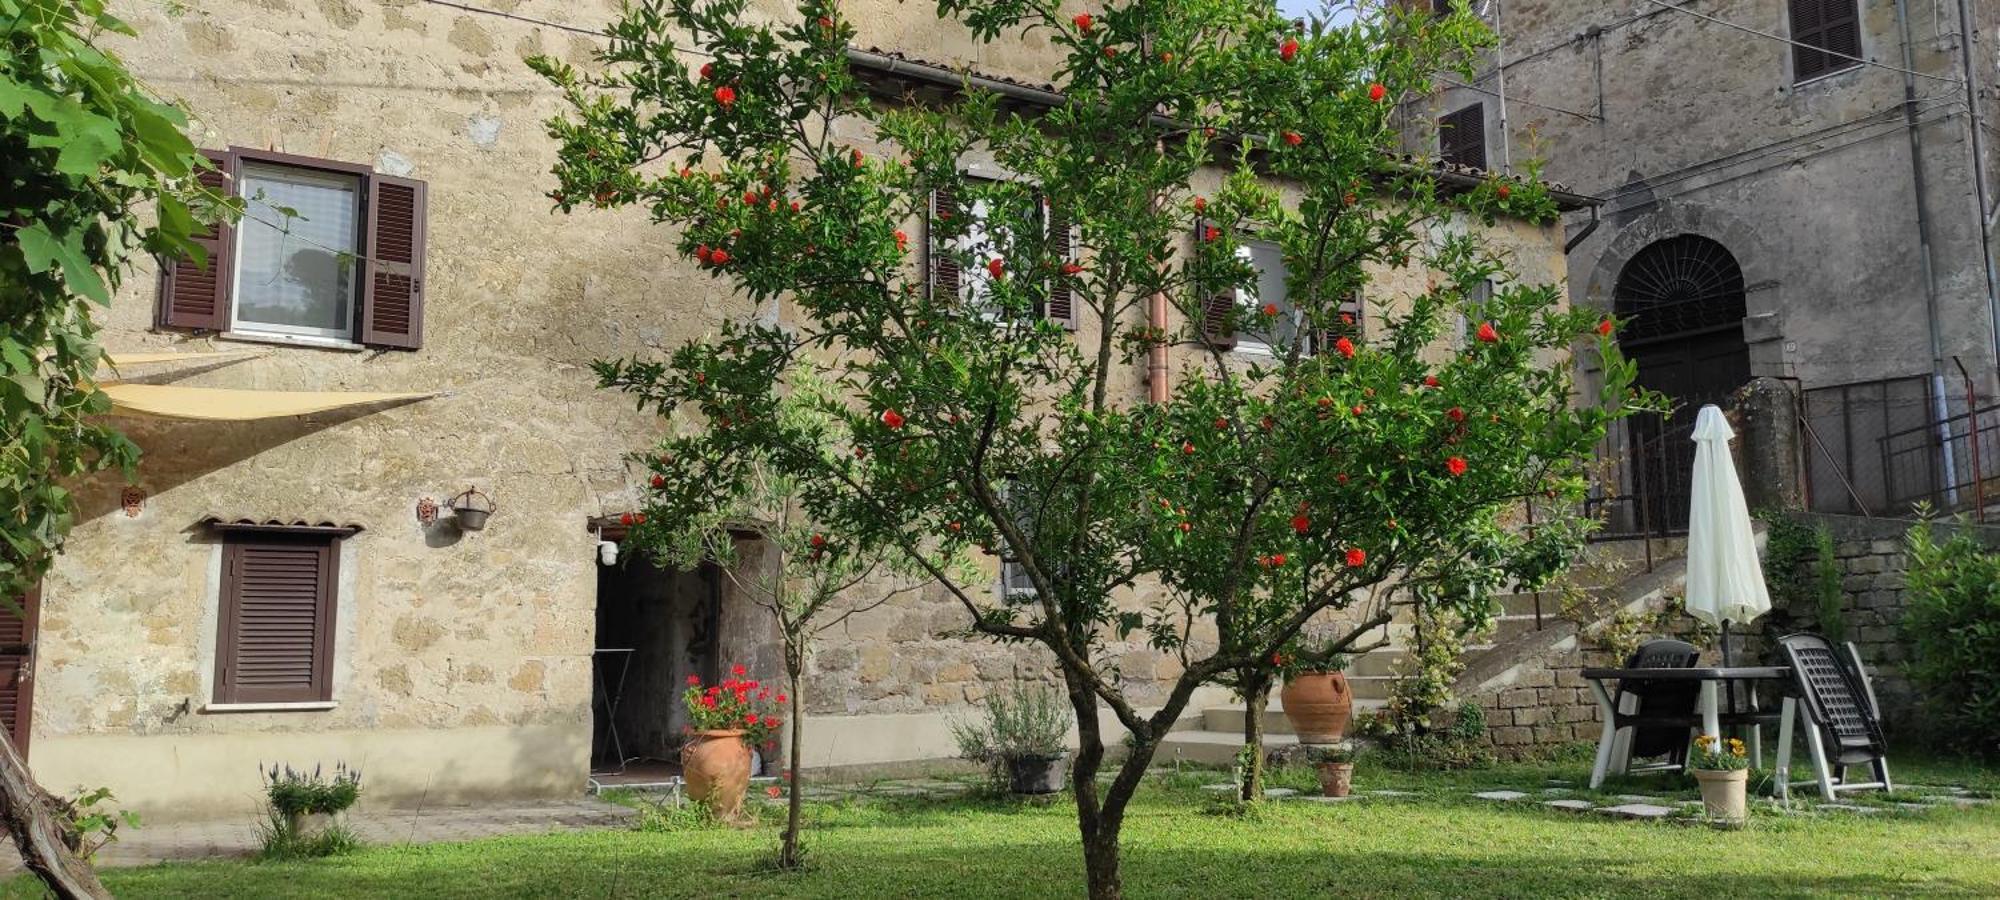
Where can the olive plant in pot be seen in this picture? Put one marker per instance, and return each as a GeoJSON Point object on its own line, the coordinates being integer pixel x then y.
{"type": "Point", "coordinates": [1023, 739]}
{"type": "Point", "coordinates": [1724, 774]}
{"type": "Point", "coordinates": [726, 720]}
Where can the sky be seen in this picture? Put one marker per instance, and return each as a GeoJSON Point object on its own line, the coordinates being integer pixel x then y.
{"type": "Point", "coordinates": [1299, 9]}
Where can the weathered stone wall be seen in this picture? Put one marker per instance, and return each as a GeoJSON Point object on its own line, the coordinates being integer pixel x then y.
{"type": "Point", "coordinates": [462, 663]}
{"type": "Point", "coordinates": [1688, 126]}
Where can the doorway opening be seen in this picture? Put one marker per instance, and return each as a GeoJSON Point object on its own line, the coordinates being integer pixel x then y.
{"type": "Point", "coordinates": [656, 626]}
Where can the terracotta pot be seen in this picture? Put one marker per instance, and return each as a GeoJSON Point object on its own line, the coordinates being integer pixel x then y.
{"type": "Point", "coordinates": [1724, 793]}
{"type": "Point", "coordinates": [1318, 704]}
{"type": "Point", "coordinates": [1336, 779]}
{"type": "Point", "coordinates": [716, 766]}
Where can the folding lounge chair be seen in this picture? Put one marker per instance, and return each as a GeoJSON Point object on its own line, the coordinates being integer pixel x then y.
{"type": "Point", "coordinates": [1653, 717]}
{"type": "Point", "coordinates": [1833, 701]}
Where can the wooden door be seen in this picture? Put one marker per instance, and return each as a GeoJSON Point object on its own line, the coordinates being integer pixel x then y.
{"type": "Point", "coordinates": [17, 667]}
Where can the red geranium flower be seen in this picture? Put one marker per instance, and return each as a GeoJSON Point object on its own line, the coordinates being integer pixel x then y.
{"type": "Point", "coordinates": [738, 670]}
{"type": "Point", "coordinates": [1084, 22]}
{"type": "Point", "coordinates": [1455, 466]}
{"type": "Point", "coordinates": [1487, 333]}
{"type": "Point", "coordinates": [1376, 92]}
{"type": "Point", "coordinates": [708, 700]}
{"type": "Point", "coordinates": [781, 699]}
{"type": "Point", "coordinates": [1288, 49]}
{"type": "Point", "coordinates": [1344, 347]}
{"type": "Point", "coordinates": [1301, 524]}
{"type": "Point", "coordinates": [1357, 557]}
{"type": "Point", "coordinates": [694, 680]}
{"type": "Point", "coordinates": [892, 419]}
{"type": "Point", "coordinates": [750, 719]}
{"type": "Point", "coordinates": [726, 96]}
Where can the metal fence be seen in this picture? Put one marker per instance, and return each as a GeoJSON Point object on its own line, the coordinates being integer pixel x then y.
{"type": "Point", "coordinates": [1849, 468]}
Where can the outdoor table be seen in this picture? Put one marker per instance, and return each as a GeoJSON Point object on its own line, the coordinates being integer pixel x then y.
{"type": "Point", "coordinates": [1709, 676]}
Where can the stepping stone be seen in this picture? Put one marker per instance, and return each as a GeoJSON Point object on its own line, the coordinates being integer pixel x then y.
{"type": "Point", "coordinates": [1555, 791]}
{"type": "Point", "coordinates": [1500, 795]}
{"type": "Point", "coordinates": [1558, 782]}
{"type": "Point", "coordinates": [1926, 807]}
{"type": "Point", "coordinates": [1321, 798]}
{"type": "Point", "coordinates": [1638, 811]}
{"type": "Point", "coordinates": [1218, 788]}
{"type": "Point", "coordinates": [1392, 793]}
{"type": "Point", "coordinates": [1279, 793]}
{"type": "Point", "coordinates": [1853, 808]}
{"type": "Point", "coordinates": [1641, 798]}
{"type": "Point", "coordinates": [1571, 805]}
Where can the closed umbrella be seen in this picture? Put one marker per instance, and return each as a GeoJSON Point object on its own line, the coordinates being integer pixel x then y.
{"type": "Point", "coordinates": [1725, 582]}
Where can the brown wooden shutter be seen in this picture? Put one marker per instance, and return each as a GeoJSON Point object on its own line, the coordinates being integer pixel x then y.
{"type": "Point", "coordinates": [1062, 302]}
{"type": "Point", "coordinates": [1218, 312]}
{"type": "Point", "coordinates": [943, 267]}
{"type": "Point", "coordinates": [196, 295]}
{"type": "Point", "coordinates": [274, 637]}
{"type": "Point", "coordinates": [1462, 137]}
{"type": "Point", "coordinates": [1346, 324]}
{"type": "Point", "coordinates": [392, 287]}
{"type": "Point", "coordinates": [17, 667]}
{"type": "Point", "coordinates": [1819, 26]}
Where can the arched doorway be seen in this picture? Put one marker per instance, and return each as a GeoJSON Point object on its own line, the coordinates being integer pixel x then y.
{"type": "Point", "coordinates": [1681, 300]}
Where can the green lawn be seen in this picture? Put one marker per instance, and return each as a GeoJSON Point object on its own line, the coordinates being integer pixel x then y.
{"type": "Point", "coordinates": [1178, 844]}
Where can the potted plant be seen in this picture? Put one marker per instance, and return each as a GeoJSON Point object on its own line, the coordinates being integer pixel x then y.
{"type": "Point", "coordinates": [1023, 740]}
{"type": "Point", "coordinates": [1316, 699]}
{"type": "Point", "coordinates": [726, 720]}
{"type": "Point", "coordinates": [310, 804]}
{"type": "Point", "coordinates": [1335, 765]}
{"type": "Point", "coordinates": [1723, 770]}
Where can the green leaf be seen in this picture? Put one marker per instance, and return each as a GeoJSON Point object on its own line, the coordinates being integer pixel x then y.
{"type": "Point", "coordinates": [41, 249]}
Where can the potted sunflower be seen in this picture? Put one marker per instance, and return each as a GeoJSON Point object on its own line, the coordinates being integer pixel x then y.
{"type": "Point", "coordinates": [1723, 769]}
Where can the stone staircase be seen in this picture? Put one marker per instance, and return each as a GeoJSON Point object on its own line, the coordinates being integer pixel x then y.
{"type": "Point", "coordinates": [1613, 570]}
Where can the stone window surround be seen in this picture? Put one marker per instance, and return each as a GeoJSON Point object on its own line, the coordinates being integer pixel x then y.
{"type": "Point", "coordinates": [346, 628]}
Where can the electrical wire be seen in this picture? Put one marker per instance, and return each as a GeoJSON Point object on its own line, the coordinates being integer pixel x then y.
{"type": "Point", "coordinates": [1785, 40]}
{"type": "Point", "coordinates": [1455, 83]}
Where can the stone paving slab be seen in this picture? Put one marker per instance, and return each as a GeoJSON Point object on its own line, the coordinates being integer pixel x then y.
{"type": "Point", "coordinates": [1571, 805]}
{"type": "Point", "coordinates": [1500, 795]}
{"type": "Point", "coordinates": [1322, 798]}
{"type": "Point", "coordinates": [437, 824]}
{"type": "Point", "coordinates": [1638, 811]}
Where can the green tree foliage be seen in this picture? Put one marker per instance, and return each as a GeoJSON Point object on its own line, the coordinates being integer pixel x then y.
{"type": "Point", "coordinates": [1953, 626]}
{"type": "Point", "coordinates": [1212, 526]}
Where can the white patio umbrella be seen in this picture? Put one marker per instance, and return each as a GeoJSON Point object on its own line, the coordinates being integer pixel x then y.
{"type": "Point", "coordinates": [1725, 582]}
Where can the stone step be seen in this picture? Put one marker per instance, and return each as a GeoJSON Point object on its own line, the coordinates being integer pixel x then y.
{"type": "Point", "coordinates": [1230, 719]}
{"type": "Point", "coordinates": [1376, 663]}
{"type": "Point", "coordinates": [1210, 748]}
{"type": "Point", "coordinates": [1523, 604]}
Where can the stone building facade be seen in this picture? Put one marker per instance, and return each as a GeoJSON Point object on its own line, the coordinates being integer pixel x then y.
{"type": "Point", "coordinates": [1769, 209]}
{"type": "Point", "coordinates": [454, 664]}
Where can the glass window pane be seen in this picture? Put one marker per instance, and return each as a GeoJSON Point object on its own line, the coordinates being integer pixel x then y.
{"type": "Point", "coordinates": [296, 255]}
{"type": "Point", "coordinates": [1269, 261]}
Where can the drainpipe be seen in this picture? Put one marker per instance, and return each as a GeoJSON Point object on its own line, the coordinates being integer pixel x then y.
{"type": "Point", "coordinates": [1500, 65]}
{"type": "Point", "coordinates": [1156, 358]}
{"type": "Point", "coordinates": [1584, 234]}
{"type": "Point", "coordinates": [1939, 411]}
{"type": "Point", "coordinates": [1977, 145]}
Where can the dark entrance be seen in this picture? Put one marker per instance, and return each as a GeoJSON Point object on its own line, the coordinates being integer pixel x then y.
{"type": "Point", "coordinates": [18, 627]}
{"type": "Point", "coordinates": [655, 627]}
{"type": "Point", "coordinates": [1682, 302]}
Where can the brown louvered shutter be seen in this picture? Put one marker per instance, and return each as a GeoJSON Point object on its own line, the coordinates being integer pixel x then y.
{"type": "Point", "coordinates": [1218, 312]}
{"type": "Point", "coordinates": [392, 290]}
{"type": "Point", "coordinates": [1062, 302]}
{"type": "Point", "coordinates": [196, 295]}
{"type": "Point", "coordinates": [275, 633]}
{"type": "Point", "coordinates": [1819, 26]}
{"type": "Point", "coordinates": [1462, 137]}
{"type": "Point", "coordinates": [1346, 324]}
{"type": "Point", "coordinates": [943, 268]}
{"type": "Point", "coordinates": [17, 664]}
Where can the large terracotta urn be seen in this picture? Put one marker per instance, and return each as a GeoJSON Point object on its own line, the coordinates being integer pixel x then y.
{"type": "Point", "coordinates": [716, 766]}
{"type": "Point", "coordinates": [1318, 704]}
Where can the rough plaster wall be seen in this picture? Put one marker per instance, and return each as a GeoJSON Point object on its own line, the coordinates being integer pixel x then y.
{"type": "Point", "coordinates": [1825, 229]}
{"type": "Point", "coordinates": [477, 634]}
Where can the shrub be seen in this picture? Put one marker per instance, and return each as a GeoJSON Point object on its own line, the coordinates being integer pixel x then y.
{"type": "Point", "coordinates": [293, 792]}
{"type": "Point", "coordinates": [1952, 624]}
{"type": "Point", "coordinates": [1026, 721]}
{"type": "Point", "coordinates": [280, 841]}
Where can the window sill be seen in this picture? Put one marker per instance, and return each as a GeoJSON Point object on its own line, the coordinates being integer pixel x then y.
{"type": "Point", "coordinates": [1825, 76]}
{"type": "Point", "coordinates": [292, 340]}
{"type": "Point", "coordinates": [300, 706]}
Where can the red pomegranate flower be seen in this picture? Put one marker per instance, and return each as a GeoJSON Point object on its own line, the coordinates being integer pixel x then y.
{"type": "Point", "coordinates": [1071, 268]}
{"type": "Point", "coordinates": [719, 257]}
{"type": "Point", "coordinates": [626, 520]}
{"type": "Point", "coordinates": [1455, 414]}
{"type": "Point", "coordinates": [902, 240]}
{"type": "Point", "coordinates": [774, 792]}
{"type": "Point", "coordinates": [1187, 447]}
{"type": "Point", "coordinates": [1278, 559]}
{"type": "Point", "coordinates": [707, 71]}
{"type": "Point", "coordinates": [819, 540]}
{"type": "Point", "coordinates": [1503, 192]}
{"type": "Point", "coordinates": [1186, 527]}
{"type": "Point", "coordinates": [1357, 557]}
{"type": "Point", "coordinates": [1111, 53]}
{"type": "Point", "coordinates": [825, 22]}
{"type": "Point", "coordinates": [892, 418]}
{"type": "Point", "coordinates": [1344, 347]}
{"type": "Point", "coordinates": [1487, 333]}
{"type": "Point", "coordinates": [659, 481]}
{"type": "Point", "coordinates": [996, 267]}
{"type": "Point", "coordinates": [1430, 381]}
{"type": "Point", "coordinates": [1084, 22]}
{"type": "Point", "coordinates": [1221, 424]}
{"type": "Point", "coordinates": [1376, 92]}
{"type": "Point", "coordinates": [1212, 233]}
{"type": "Point", "coordinates": [1455, 466]}
{"type": "Point", "coordinates": [726, 96]}
{"type": "Point", "coordinates": [1359, 409]}
{"type": "Point", "coordinates": [1293, 138]}
{"type": "Point", "coordinates": [1605, 327]}
{"type": "Point", "coordinates": [1288, 50]}
{"type": "Point", "coordinates": [701, 252]}
{"type": "Point", "coordinates": [1200, 204]}
{"type": "Point", "coordinates": [1270, 309]}
{"type": "Point", "coordinates": [1301, 524]}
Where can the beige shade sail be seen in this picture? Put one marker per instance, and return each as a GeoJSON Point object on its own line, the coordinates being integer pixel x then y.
{"type": "Point", "coordinates": [150, 357]}
{"type": "Point", "coordinates": [236, 405]}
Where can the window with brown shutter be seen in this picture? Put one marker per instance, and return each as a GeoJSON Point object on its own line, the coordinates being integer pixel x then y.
{"type": "Point", "coordinates": [274, 633]}
{"type": "Point", "coordinates": [1827, 36]}
{"type": "Point", "coordinates": [1462, 137]}
{"type": "Point", "coordinates": [1061, 307]}
{"type": "Point", "coordinates": [943, 266]}
{"type": "Point", "coordinates": [325, 251]}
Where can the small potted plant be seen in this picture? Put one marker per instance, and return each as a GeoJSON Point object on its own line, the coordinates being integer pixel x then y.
{"type": "Point", "coordinates": [1023, 740]}
{"type": "Point", "coordinates": [1315, 698]}
{"type": "Point", "coordinates": [726, 720]}
{"type": "Point", "coordinates": [1723, 770]}
{"type": "Point", "coordinates": [310, 804]}
{"type": "Point", "coordinates": [1335, 765]}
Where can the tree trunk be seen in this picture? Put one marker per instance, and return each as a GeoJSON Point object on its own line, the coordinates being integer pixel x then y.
{"type": "Point", "coordinates": [45, 849]}
{"type": "Point", "coordinates": [788, 853]}
{"type": "Point", "coordinates": [1256, 698]}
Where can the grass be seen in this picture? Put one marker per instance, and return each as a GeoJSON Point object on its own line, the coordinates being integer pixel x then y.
{"type": "Point", "coordinates": [1441, 843]}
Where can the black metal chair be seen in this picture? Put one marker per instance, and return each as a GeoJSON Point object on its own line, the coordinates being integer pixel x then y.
{"type": "Point", "coordinates": [1658, 714]}
{"type": "Point", "coordinates": [1842, 721]}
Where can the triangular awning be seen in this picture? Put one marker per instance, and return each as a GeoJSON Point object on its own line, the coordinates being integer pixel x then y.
{"type": "Point", "coordinates": [237, 405]}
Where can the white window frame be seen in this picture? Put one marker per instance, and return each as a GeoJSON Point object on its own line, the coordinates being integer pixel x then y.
{"type": "Point", "coordinates": [241, 327]}
{"type": "Point", "coordinates": [1249, 305]}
